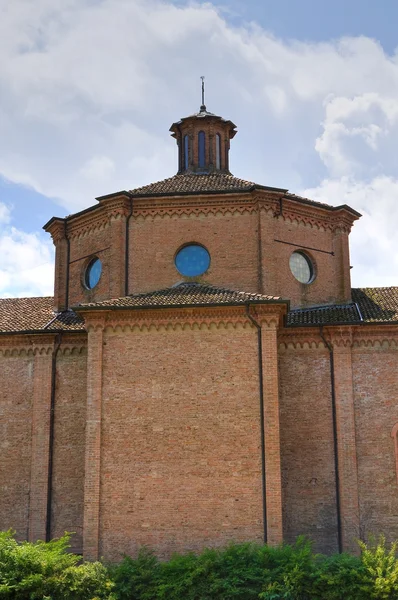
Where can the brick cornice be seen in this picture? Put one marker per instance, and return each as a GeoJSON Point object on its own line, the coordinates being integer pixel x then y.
{"type": "Point", "coordinates": [300, 339]}
{"type": "Point", "coordinates": [195, 318]}
{"type": "Point", "coordinates": [376, 336]}
{"type": "Point", "coordinates": [41, 344]}
{"type": "Point", "coordinates": [340, 337]}
{"type": "Point", "coordinates": [56, 229]}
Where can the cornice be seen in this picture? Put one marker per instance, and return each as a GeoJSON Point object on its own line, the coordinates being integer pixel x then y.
{"type": "Point", "coordinates": [314, 217]}
{"type": "Point", "coordinates": [300, 339]}
{"type": "Point", "coordinates": [41, 345]}
{"type": "Point", "coordinates": [178, 319]}
{"type": "Point", "coordinates": [342, 337]}
{"type": "Point", "coordinates": [380, 337]}
{"type": "Point", "coordinates": [238, 204]}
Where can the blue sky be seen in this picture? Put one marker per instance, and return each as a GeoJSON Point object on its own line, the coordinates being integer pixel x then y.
{"type": "Point", "coordinates": [90, 88]}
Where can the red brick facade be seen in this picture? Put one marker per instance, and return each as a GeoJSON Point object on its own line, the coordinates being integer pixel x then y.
{"type": "Point", "coordinates": [184, 426]}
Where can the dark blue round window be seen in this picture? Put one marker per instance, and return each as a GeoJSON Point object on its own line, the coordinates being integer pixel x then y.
{"type": "Point", "coordinates": [192, 260]}
{"type": "Point", "coordinates": [93, 273]}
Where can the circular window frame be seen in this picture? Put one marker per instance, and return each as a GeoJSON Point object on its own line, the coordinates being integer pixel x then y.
{"type": "Point", "coordinates": [311, 264]}
{"type": "Point", "coordinates": [86, 271]}
{"type": "Point", "coordinates": [186, 245]}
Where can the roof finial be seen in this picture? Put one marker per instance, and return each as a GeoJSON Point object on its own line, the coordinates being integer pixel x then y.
{"type": "Point", "coordinates": [203, 107]}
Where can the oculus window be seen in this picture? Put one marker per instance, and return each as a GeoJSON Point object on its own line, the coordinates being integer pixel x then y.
{"type": "Point", "coordinates": [93, 273]}
{"type": "Point", "coordinates": [192, 260]}
{"type": "Point", "coordinates": [301, 267]}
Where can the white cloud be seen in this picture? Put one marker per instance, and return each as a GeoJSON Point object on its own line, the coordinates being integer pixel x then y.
{"type": "Point", "coordinates": [90, 87]}
{"type": "Point", "coordinates": [374, 253]}
{"type": "Point", "coordinates": [26, 267]}
{"type": "Point", "coordinates": [358, 133]}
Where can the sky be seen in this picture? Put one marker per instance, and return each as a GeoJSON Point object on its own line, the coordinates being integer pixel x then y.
{"type": "Point", "coordinates": [89, 89]}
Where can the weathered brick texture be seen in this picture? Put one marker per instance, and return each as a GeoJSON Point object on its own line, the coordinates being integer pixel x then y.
{"type": "Point", "coordinates": [16, 393]}
{"type": "Point", "coordinates": [180, 443]}
{"type": "Point", "coordinates": [69, 444]}
{"type": "Point", "coordinates": [375, 379]}
{"type": "Point", "coordinates": [309, 491]}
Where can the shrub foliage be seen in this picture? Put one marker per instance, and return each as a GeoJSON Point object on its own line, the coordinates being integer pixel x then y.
{"type": "Point", "coordinates": [47, 571]}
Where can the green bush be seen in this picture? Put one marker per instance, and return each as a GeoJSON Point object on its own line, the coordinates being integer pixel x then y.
{"type": "Point", "coordinates": [251, 571]}
{"type": "Point", "coordinates": [46, 571]}
{"type": "Point", "coordinates": [248, 571]}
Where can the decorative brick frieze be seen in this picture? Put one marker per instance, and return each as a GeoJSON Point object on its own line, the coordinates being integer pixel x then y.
{"type": "Point", "coordinates": [195, 318]}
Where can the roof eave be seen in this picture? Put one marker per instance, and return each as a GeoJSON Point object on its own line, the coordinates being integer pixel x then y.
{"type": "Point", "coordinates": [85, 308]}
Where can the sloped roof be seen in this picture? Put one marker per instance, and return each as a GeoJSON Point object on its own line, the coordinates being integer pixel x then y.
{"type": "Point", "coordinates": [217, 183]}
{"type": "Point", "coordinates": [324, 315]}
{"type": "Point", "coordinates": [35, 314]}
{"type": "Point", "coordinates": [184, 294]}
{"type": "Point", "coordinates": [377, 304]}
{"type": "Point", "coordinates": [193, 183]}
{"type": "Point", "coordinates": [370, 305]}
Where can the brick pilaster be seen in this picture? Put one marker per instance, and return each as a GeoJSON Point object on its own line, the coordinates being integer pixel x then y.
{"type": "Point", "coordinates": [271, 430]}
{"type": "Point", "coordinates": [41, 406]}
{"type": "Point", "coordinates": [346, 443]}
{"type": "Point", "coordinates": [93, 443]}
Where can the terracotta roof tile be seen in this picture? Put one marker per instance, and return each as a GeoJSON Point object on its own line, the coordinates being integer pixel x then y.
{"type": "Point", "coordinates": [370, 305]}
{"type": "Point", "coordinates": [377, 304]}
{"type": "Point", "coordinates": [192, 183]}
{"type": "Point", "coordinates": [35, 314]}
{"type": "Point", "coordinates": [324, 315]}
{"type": "Point", "coordinates": [184, 294]}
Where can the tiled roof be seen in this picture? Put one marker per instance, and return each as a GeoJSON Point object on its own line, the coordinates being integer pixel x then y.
{"type": "Point", "coordinates": [184, 294]}
{"type": "Point", "coordinates": [35, 314]}
{"type": "Point", "coordinates": [208, 183]}
{"type": "Point", "coordinates": [192, 183]}
{"type": "Point", "coordinates": [377, 304]}
{"type": "Point", "coordinates": [324, 315]}
{"type": "Point", "coordinates": [370, 305]}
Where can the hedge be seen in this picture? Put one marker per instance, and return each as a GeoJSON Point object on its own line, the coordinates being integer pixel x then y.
{"type": "Point", "coordinates": [47, 571]}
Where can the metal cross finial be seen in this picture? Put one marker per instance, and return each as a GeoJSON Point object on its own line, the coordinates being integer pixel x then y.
{"type": "Point", "coordinates": [203, 107]}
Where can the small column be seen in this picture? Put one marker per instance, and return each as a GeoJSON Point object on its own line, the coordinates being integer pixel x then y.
{"type": "Point", "coordinates": [346, 443]}
{"type": "Point", "coordinates": [41, 407]}
{"type": "Point", "coordinates": [273, 476]}
{"type": "Point", "coordinates": [93, 440]}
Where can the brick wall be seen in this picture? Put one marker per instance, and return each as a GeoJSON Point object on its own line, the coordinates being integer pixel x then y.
{"type": "Point", "coordinates": [309, 493]}
{"type": "Point", "coordinates": [180, 441]}
{"type": "Point", "coordinates": [231, 241]}
{"type": "Point", "coordinates": [15, 441]}
{"type": "Point", "coordinates": [69, 427]}
{"type": "Point", "coordinates": [375, 390]}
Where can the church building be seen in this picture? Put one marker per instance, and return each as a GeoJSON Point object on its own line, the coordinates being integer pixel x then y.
{"type": "Point", "coordinates": [204, 372]}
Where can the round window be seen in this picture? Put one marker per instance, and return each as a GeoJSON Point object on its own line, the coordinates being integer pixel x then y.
{"type": "Point", "coordinates": [93, 273]}
{"type": "Point", "coordinates": [301, 267]}
{"type": "Point", "coordinates": [192, 260]}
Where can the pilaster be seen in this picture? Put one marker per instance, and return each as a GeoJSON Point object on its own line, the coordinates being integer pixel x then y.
{"type": "Point", "coordinates": [93, 441]}
{"type": "Point", "coordinates": [346, 443]}
{"type": "Point", "coordinates": [41, 407]}
{"type": "Point", "coordinates": [273, 478]}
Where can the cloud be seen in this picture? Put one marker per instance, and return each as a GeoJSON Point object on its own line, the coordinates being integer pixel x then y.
{"type": "Point", "coordinates": [374, 254]}
{"type": "Point", "coordinates": [358, 134]}
{"type": "Point", "coordinates": [26, 267]}
{"type": "Point", "coordinates": [90, 88]}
